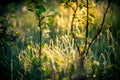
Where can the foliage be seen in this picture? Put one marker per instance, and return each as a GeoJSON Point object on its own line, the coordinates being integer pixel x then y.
{"type": "Point", "coordinates": [48, 51]}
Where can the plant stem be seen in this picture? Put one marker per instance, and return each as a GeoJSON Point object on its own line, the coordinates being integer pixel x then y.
{"type": "Point", "coordinates": [102, 24]}
{"type": "Point", "coordinates": [87, 24]}
{"type": "Point", "coordinates": [72, 25]}
{"type": "Point", "coordinates": [81, 73]}
{"type": "Point", "coordinates": [39, 25]}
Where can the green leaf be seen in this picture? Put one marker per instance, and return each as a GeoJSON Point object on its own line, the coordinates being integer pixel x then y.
{"type": "Point", "coordinates": [92, 15]}
{"type": "Point", "coordinates": [80, 6]}
{"type": "Point", "coordinates": [43, 45]}
{"type": "Point", "coordinates": [47, 70]}
{"type": "Point", "coordinates": [64, 78]}
{"type": "Point", "coordinates": [36, 60]}
{"type": "Point", "coordinates": [31, 55]}
{"type": "Point", "coordinates": [45, 27]}
{"type": "Point", "coordinates": [45, 57]}
{"type": "Point", "coordinates": [72, 0]}
{"type": "Point", "coordinates": [31, 10]}
{"type": "Point", "coordinates": [66, 5]}
{"type": "Point", "coordinates": [40, 9]}
{"type": "Point", "coordinates": [74, 32]}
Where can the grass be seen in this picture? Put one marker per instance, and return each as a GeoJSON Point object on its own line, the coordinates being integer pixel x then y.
{"type": "Point", "coordinates": [59, 57]}
{"type": "Point", "coordinates": [56, 60]}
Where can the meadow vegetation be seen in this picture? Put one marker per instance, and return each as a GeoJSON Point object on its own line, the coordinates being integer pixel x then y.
{"type": "Point", "coordinates": [45, 40]}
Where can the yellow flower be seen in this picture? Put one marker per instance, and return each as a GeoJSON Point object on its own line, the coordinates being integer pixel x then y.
{"type": "Point", "coordinates": [28, 47]}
